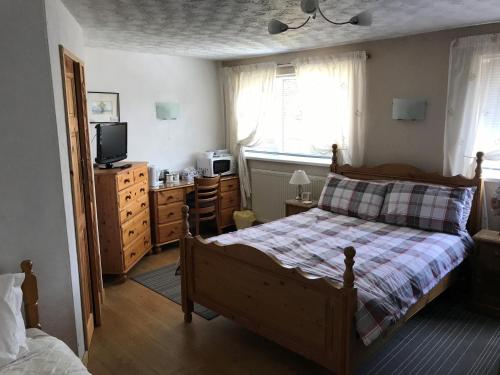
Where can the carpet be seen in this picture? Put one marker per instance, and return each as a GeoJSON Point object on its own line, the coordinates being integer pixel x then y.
{"type": "Point", "coordinates": [164, 281]}
{"type": "Point", "coordinates": [444, 338]}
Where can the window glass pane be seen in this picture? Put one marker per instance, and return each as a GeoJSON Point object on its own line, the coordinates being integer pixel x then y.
{"type": "Point", "coordinates": [488, 132]}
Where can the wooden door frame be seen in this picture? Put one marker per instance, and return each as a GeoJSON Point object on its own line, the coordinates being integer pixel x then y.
{"type": "Point", "coordinates": [88, 176]}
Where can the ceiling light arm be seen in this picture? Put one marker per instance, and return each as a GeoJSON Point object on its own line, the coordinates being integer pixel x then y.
{"type": "Point", "coordinates": [336, 23]}
{"type": "Point", "coordinates": [298, 27]}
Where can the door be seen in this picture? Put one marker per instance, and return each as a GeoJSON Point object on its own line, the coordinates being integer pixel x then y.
{"type": "Point", "coordinates": [82, 192]}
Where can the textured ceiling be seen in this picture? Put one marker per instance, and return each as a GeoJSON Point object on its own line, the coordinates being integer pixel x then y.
{"type": "Point", "coordinates": [225, 29]}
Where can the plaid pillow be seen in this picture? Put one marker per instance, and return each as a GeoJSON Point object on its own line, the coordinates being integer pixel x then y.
{"type": "Point", "coordinates": [427, 207]}
{"type": "Point", "coordinates": [351, 197]}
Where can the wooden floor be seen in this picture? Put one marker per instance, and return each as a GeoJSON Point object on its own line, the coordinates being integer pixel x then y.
{"type": "Point", "coordinates": [143, 332]}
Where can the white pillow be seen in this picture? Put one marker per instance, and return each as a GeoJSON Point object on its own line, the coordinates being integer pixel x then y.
{"type": "Point", "coordinates": [12, 330]}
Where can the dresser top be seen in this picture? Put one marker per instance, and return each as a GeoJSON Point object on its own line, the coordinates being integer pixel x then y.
{"type": "Point", "coordinates": [487, 235]}
{"type": "Point", "coordinates": [110, 171]}
{"type": "Point", "coordinates": [184, 183]}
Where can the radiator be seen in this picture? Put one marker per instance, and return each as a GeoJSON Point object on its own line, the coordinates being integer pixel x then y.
{"type": "Point", "coordinates": [270, 189]}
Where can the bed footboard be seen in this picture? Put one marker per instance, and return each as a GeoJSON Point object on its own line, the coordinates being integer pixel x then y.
{"type": "Point", "coordinates": [311, 316]}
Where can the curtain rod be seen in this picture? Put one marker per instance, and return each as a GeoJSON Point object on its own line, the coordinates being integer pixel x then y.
{"type": "Point", "coordinates": [287, 65]}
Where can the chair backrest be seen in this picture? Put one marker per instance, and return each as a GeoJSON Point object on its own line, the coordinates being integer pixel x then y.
{"type": "Point", "coordinates": [206, 190]}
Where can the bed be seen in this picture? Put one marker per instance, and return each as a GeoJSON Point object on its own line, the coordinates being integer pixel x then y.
{"type": "Point", "coordinates": [45, 354]}
{"type": "Point", "coordinates": [261, 278]}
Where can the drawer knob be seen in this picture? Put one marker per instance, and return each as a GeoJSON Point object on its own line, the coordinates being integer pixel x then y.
{"type": "Point", "coordinates": [145, 222]}
{"type": "Point", "coordinates": [141, 174]}
{"type": "Point", "coordinates": [142, 190]}
{"type": "Point", "coordinates": [130, 232]}
{"type": "Point", "coordinates": [126, 181]}
{"type": "Point", "coordinates": [143, 204]}
{"type": "Point", "coordinates": [129, 213]}
{"type": "Point", "coordinates": [132, 254]}
{"type": "Point", "coordinates": [128, 197]}
{"type": "Point", "coordinates": [170, 214]}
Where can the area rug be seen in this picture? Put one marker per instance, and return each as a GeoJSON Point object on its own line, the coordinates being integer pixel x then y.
{"type": "Point", "coordinates": [164, 281]}
{"type": "Point", "coordinates": [444, 338]}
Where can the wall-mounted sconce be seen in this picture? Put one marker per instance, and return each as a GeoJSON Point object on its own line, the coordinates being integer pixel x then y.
{"type": "Point", "coordinates": [167, 111]}
{"type": "Point", "coordinates": [408, 109]}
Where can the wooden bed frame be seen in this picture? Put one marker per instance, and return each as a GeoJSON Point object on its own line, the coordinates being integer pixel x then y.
{"type": "Point", "coordinates": [30, 296]}
{"type": "Point", "coordinates": [310, 316]}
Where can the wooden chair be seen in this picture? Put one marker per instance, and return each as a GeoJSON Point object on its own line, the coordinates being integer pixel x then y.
{"type": "Point", "coordinates": [206, 201]}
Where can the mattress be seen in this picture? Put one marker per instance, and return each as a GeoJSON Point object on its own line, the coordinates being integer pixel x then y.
{"type": "Point", "coordinates": [394, 266]}
{"type": "Point", "coordinates": [46, 355]}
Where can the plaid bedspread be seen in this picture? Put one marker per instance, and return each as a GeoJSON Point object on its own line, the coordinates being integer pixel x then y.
{"type": "Point", "coordinates": [394, 265]}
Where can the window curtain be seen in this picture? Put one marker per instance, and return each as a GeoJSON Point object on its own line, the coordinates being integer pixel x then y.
{"type": "Point", "coordinates": [469, 87]}
{"type": "Point", "coordinates": [248, 97]}
{"type": "Point", "coordinates": [332, 92]}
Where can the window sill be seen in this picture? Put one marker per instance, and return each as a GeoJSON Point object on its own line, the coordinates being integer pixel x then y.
{"type": "Point", "coordinates": [289, 159]}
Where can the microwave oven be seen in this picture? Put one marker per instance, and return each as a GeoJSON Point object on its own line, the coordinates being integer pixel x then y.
{"type": "Point", "coordinates": [211, 165]}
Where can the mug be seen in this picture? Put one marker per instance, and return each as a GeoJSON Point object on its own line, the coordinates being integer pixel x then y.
{"type": "Point", "coordinates": [169, 177]}
{"type": "Point", "coordinates": [306, 196]}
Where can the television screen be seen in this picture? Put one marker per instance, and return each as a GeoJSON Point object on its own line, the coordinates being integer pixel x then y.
{"type": "Point", "coordinates": [111, 142]}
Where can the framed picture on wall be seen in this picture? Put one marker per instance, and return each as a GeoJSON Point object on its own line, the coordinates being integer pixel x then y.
{"type": "Point", "coordinates": [103, 106]}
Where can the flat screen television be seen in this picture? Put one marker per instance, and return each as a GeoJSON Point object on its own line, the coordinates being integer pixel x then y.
{"type": "Point", "coordinates": [111, 143]}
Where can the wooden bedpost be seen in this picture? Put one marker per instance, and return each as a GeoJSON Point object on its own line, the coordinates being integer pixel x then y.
{"type": "Point", "coordinates": [187, 304]}
{"type": "Point", "coordinates": [479, 161]}
{"type": "Point", "coordinates": [30, 295]}
{"type": "Point", "coordinates": [349, 253]}
{"type": "Point", "coordinates": [333, 166]}
{"type": "Point", "coordinates": [475, 219]}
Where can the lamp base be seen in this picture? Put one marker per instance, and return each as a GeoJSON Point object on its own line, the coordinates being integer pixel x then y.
{"type": "Point", "coordinates": [299, 193]}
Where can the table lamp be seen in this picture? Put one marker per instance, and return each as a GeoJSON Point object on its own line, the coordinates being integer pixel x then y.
{"type": "Point", "coordinates": [299, 178]}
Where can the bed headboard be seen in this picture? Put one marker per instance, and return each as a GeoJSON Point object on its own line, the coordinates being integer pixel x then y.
{"type": "Point", "coordinates": [405, 172]}
{"type": "Point", "coordinates": [30, 295]}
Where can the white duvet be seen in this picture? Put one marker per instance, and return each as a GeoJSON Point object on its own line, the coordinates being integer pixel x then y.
{"type": "Point", "coordinates": [45, 355]}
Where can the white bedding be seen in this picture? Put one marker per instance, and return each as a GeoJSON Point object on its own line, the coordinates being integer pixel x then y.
{"type": "Point", "coordinates": [46, 355]}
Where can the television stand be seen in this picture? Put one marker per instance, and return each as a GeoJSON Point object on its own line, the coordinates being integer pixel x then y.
{"type": "Point", "coordinates": [114, 166]}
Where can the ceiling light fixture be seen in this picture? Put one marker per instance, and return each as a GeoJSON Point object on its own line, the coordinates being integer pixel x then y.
{"type": "Point", "coordinates": [310, 7]}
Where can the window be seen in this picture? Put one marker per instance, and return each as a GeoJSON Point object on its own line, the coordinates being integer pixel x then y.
{"type": "Point", "coordinates": [286, 132]}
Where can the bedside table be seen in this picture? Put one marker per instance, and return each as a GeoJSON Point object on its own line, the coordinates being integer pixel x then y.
{"type": "Point", "coordinates": [486, 269]}
{"type": "Point", "coordinates": [294, 206]}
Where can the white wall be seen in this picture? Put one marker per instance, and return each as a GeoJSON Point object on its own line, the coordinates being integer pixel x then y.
{"type": "Point", "coordinates": [63, 30]}
{"type": "Point", "coordinates": [34, 213]}
{"type": "Point", "coordinates": [143, 79]}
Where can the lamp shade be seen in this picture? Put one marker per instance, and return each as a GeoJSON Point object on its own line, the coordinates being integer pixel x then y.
{"type": "Point", "coordinates": [299, 177]}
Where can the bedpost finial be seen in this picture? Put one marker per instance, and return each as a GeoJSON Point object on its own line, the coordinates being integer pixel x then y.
{"type": "Point", "coordinates": [333, 167]}
{"type": "Point", "coordinates": [349, 253]}
{"type": "Point", "coordinates": [185, 221]}
{"type": "Point", "coordinates": [27, 266]}
{"type": "Point", "coordinates": [479, 161]}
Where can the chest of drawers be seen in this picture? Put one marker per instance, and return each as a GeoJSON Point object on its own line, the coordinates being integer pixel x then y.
{"type": "Point", "coordinates": [123, 216]}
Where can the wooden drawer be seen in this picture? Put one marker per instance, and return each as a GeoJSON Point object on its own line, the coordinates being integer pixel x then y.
{"type": "Point", "coordinates": [170, 212]}
{"type": "Point", "coordinates": [126, 197]}
{"type": "Point", "coordinates": [134, 251]}
{"type": "Point", "coordinates": [141, 188]}
{"type": "Point", "coordinates": [135, 227]}
{"type": "Point", "coordinates": [230, 199]}
{"type": "Point", "coordinates": [140, 174]}
{"type": "Point", "coordinates": [226, 217]}
{"type": "Point", "coordinates": [170, 196]}
{"type": "Point", "coordinates": [133, 209]}
{"type": "Point", "coordinates": [229, 185]}
{"type": "Point", "coordinates": [169, 232]}
{"type": "Point", "coordinates": [125, 179]}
